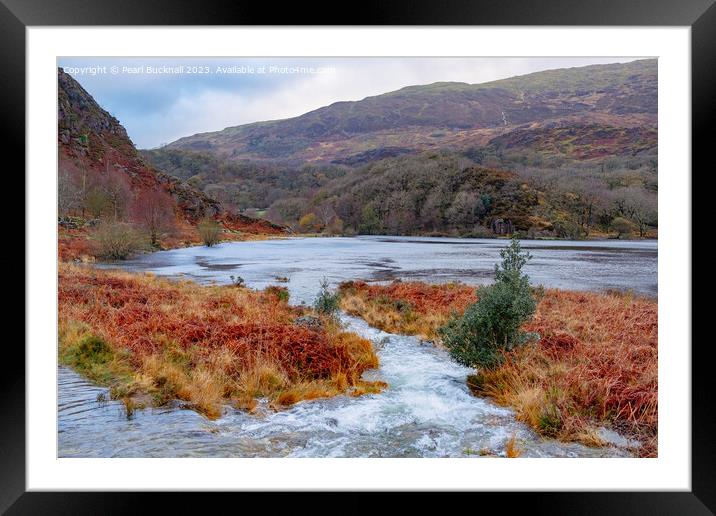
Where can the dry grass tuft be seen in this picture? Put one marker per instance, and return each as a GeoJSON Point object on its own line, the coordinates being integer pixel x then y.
{"type": "Point", "coordinates": [74, 245]}
{"type": "Point", "coordinates": [512, 450]}
{"type": "Point", "coordinates": [207, 346]}
{"type": "Point", "coordinates": [411, 308]}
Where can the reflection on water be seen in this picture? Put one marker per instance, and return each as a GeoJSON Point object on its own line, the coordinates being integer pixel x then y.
{"type": "Point", "coordinates": [589, 265]}
{"type": "Point", "coordinates": [426, 412]}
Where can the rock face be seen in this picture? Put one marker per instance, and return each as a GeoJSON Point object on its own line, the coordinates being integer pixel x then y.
{"type": "Point", "coordinates": [93, 141]}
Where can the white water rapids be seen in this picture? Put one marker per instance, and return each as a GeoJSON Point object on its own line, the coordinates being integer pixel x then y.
{"type": "Point", "coordinates": [427, 410]}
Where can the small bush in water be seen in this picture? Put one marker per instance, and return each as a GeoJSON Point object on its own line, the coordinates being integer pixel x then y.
{"type": "Point", "coordinates": [116, 241]}
{"type": "Point", "coordinates": [326, 302]}
{"type": "Point", "coordinates": [492, 324]}
{"type": "Point", "coordinates": [209, 231]}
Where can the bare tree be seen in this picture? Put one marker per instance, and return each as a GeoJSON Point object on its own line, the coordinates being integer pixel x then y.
{"type": "Point", "coordinates": [465, 206]}
{"type": "Point", "coordinates": [119, 193]}
{"type": "Point", "coordinates": [68, 193]}
{"type": "Point", "coordinates": [400, 212]}
{"type": "Point", "coordinates": [114, 184]}
{"type": "Point", "coordinates": [432, 209]}
{"type": "Point", "coordinates": [287, 211]}
{"type": "Point", "coordinates": [95, 202]}
{"type": "Point", "coordinates": [153, 211]}
{"type": "Point", "coordinates": [639, 206]}
{"type": "Point", "coordinates": [326, 212]}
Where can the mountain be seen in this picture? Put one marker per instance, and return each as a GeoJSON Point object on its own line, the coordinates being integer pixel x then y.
{"type": "Point", "coordinates": [591, 111]}
{"type": "Point", "coordinates": [93, 147]}
{"type": "Point", "coordinates": [563, 153]}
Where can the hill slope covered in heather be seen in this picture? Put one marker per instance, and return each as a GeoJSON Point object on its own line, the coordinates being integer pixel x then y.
{"type": "Point", "coordinates": [606, 107]}
{"type": "Point", "coordinates": [575, 151]}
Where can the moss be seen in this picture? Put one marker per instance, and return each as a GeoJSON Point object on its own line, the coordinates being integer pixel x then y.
{"type": "Point", "coordinates": [280, 293]}
{"type": "Point", "coordinates": [550, 421]}
{"type": "Point", "coordinates": [91, 356]}
{"type": "Point", "coordinates": [92, 349]}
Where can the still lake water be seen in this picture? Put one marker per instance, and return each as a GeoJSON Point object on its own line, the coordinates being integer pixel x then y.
{"type": "Point", "coordinates": [426, 412]}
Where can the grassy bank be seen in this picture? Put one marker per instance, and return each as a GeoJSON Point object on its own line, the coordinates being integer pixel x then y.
{"type": "Point", "coordinates": [153, 340]}
{"type": "Point", "coordinates": [80, 243]}
{"type": "Point", "coordinates": [594, 365]}
{"type": "Point", "coordinates": [410, 308]}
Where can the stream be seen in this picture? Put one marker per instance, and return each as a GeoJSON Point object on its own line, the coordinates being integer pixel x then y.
{"type": "Point", "coordinates": [427, 411]}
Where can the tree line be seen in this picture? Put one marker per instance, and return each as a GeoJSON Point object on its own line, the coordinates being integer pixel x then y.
{"type": "Point", "coordinates": [448, 192]}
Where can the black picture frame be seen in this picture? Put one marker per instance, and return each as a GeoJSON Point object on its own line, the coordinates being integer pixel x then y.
{"type": "Point", "coordinates": [17, 15]}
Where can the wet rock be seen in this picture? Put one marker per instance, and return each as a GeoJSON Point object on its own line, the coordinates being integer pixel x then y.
{"type": "Point", "coordinates": [382, 342]}
{"type": "Point", "coordinates": [67, 223]}
{"type": "Point", "coordinates": [615, 439]}
{"type": "Point", "coordinates": [308, 321]}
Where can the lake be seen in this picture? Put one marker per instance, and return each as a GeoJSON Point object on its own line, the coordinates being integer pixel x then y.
{"type": "Point", "coordinates": [577, 265]}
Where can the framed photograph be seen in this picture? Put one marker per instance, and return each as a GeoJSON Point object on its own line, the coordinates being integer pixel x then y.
{"type": "Point", "coordinates": [266, 254]}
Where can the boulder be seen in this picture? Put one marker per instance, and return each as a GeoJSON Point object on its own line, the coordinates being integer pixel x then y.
{"type": "Point", "coordinates": [309, 321]}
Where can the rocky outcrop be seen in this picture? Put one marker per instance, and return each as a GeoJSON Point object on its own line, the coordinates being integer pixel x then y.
{"type": "Point", "coordinates": [246, 224]}
{"type": "Point", "coordinates": [92, 140]}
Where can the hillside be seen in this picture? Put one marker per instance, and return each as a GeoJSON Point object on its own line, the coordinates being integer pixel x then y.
{"type": "Point", "coordinates": [433, 193]}
{"type": "Point", "coordinates": [575, 150]}
{"type": "Point", "coordinates": [102, 176]}
{"type": "Point", "coordinates": [615, 98]}
{"type": "Point", "coordinates": [94, 147]}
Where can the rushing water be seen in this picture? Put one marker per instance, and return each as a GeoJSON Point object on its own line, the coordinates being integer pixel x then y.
{"type": "Point", "coordinates": [426, 412]}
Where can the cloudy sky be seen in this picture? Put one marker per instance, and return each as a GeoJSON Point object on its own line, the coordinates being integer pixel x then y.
{"type": "Point", "coordinates": [161, 99]}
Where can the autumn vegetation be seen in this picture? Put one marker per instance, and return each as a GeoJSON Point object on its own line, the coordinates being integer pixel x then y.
{"type": "Point", "coordinates": [595, 363]}
{"type": "Point", "coordinates": [401, 163]}
{"type": "Point", "coordinates": [155, 340]}
{"type": "Point", "coordinates": [438, 193]}
{"type": "Point", "coordinates": [91, 227]}
{"type": "Point", "coordinates": [102, 217]}
{"type": "Point", "coordinates": [105, 240]}
{"type": "Point", "coordinates": [407, 307]}
{"type": "Point", "coordinates": [570, 153]}
{"type": "Point", "coordinates": [111, 203]}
